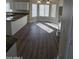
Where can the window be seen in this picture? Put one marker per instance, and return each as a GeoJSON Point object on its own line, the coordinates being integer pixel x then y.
{"type": "Point", "coordinates": [53, 11]}
{"type": "Point", "coordinates": [43, 10]}
{"type": "Point", "coordinates": [46, 13]}
{"type": "Point", "coordinates": [34, 10]}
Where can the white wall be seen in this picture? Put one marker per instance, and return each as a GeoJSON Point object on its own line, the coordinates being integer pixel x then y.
{"type": "Point", "coordinates": [27, 5]}
{"type": "Point", "coordinates": [60, 2]}
{"type": "Point", "coordinates": [66, 36]}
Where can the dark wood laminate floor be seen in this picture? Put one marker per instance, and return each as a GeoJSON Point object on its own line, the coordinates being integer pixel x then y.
{"type": "Point", "coordinates": [35, 43]}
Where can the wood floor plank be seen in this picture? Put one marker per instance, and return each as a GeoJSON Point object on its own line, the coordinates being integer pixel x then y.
{"type": "Point", "coordinates": [35, 43]}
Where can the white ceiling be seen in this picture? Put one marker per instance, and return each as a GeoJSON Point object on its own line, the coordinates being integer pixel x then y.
{"type": "Point", "coordinates": [34, 1]}
{"type": "Point", "coordinates": [52, 1]}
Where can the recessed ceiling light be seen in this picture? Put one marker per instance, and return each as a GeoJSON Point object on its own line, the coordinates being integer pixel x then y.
{"type": "Point", "coordinates": [48, 2]}
{"type": "Point", "coordinates": [38, 1]}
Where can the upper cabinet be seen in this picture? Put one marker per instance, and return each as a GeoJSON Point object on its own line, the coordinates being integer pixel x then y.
{"type": "Point", "coordinates": [21, 0]}
{"type": "Point", "coordinates": [17, 6]}
{"type": "Point", "coordinates": [20, 5]}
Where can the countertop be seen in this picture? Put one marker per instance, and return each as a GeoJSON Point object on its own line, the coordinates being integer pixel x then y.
{"type": "Point", "coordinates": [18, 11]}
{"type": "Point", "coordinates": [15, 15]}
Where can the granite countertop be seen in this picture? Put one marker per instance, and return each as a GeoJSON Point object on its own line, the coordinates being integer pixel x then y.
{"type": "Point", "coordinates": [15, 15]}
{"type": "Point", "coordinates": [19, 11]}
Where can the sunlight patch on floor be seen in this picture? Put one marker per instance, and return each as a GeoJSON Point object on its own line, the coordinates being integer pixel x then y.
{"type": "Point", "coordinates": [52, 25]}
{"type": "Point", "coordinates": [44, 27]}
